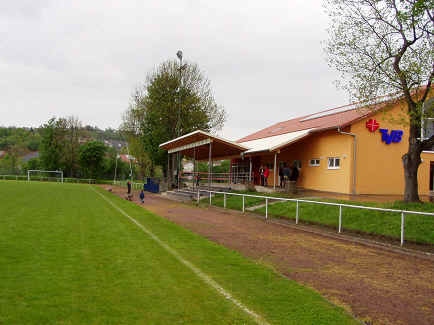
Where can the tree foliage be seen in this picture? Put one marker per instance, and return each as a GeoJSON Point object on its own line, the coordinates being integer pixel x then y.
{"type": "Point", "coordinates": [51, 145]}
{"type": "Point", "coordinates": [58, 142]}
{"type": "Point", "coordinates": [384, 47]}
{"type": "Point", "coordinates": [92, 158]}
{"type": "Point", "coordinates": [173, 101]}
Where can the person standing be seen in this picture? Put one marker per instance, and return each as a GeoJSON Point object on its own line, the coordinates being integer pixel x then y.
{"type": "Point", "coordinates": [142, 196]}
{"type": "Point", "coordinates": [261, 175]}
{"type": "Point", "coordinates": [197, 180]}
{"type": "Point", "coordinates": [294, 177]}
{"type": "Point", "coordinates": [129, 190]}
{"type": "Point", "coordinates": [286, 174]}
{"type": "Point", "coordinates": [266, 174]}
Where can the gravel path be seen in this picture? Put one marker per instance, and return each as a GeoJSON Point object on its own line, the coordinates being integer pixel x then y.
{"type": "Point", "coordinates": [378, 286]}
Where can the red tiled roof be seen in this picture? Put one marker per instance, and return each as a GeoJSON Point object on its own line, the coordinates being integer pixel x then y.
{"type": "Point", "coordinates": [340, 116]}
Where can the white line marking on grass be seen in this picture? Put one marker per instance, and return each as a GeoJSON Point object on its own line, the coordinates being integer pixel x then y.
{"type": "Point", "coordinates": [206, 278]}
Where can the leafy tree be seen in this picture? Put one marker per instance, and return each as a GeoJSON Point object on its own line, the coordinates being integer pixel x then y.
{"type": "Point", "coordinates": [59, 148]}
{"type": "Point", "coordinates": [131, 130]}
{"type": "Point", "coordinates": [52, 145]}
{"type": "Point", "coordinates": [92, 158]}
{"type": "Point", "coordinates": [9, 164]}
{"type": "Point", "coordinates": [174, 101]}
{"type": "Point", "coordinates": [72, 134]}
{"type": "Point", "coordinates": [33, 163]}
{"type": "Point", "coordinates": [383, 47]}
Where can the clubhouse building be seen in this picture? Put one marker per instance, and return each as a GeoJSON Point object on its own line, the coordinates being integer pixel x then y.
{"type": "Point", "coordinates": [351, 149]}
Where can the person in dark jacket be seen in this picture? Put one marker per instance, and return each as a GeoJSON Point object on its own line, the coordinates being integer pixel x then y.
{"type": "Point", "coordinates": [281, 176]}
{"type": "Point", "coordinates": [293, 178]}
{"type": "Point", "coordinates": [129, 191]}
{"type": "Point", "coordinates": [286, 174]}
{"type": "Point", "coordinates": [142, 196]}
{"type": "Point", "coordinates": [261, 174]}
{"type": "Point", "coordinates": [294, 173]}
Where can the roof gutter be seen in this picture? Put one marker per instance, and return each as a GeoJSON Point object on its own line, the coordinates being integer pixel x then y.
{"type": "Point", "coordinates": [354, 156]}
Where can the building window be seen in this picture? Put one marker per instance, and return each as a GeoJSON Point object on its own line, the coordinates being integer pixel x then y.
{"type": "Point", "coordinates": [314, 162]}
{"type": "Point", "coordinates": [334, 162]}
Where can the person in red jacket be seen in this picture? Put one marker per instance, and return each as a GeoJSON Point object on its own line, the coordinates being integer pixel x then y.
{"type": "Point", "coordinates": [266, 173]}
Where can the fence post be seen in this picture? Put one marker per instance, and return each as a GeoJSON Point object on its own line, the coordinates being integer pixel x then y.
{"type": "Point", "coordinates": [266, 208]}
{"type": "Point", "coordinates": [340, 219]}
{"type": "Point", "coordinates": [198, 196]}
{"type": "Point", "coordinates": [210, 203]}
{"type": "Point", "coordinates": [224, 200]}
{"type": "Point", "coordinates": [402, 227]}
{"type": "Point", "coordinates": [243, 204]}
{"type": "Point", "coordinates": [296, 214]}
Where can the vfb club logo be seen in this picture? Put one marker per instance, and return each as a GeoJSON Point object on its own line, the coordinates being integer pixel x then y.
{"type": "Point", "coordinates": [394, 136]}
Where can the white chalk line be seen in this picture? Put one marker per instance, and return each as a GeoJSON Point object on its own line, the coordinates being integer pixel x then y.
{"type": "Point", "coordinates": [203, 276]}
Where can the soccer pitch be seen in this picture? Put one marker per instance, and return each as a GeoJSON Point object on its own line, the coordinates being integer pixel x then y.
{"type": "Point", "coordinates": [76, 254]}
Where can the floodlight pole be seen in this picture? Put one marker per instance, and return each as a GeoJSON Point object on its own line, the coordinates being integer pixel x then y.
{"type": "Point", "coordinates": [116, 167]}
{"type": "Point", "coordinates": [131, 168]}
{"type": "Point", "coordinates": [178, 122]}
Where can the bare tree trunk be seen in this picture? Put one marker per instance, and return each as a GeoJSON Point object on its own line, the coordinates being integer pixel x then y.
{"type": "Point", "coordinates": [411, 161]}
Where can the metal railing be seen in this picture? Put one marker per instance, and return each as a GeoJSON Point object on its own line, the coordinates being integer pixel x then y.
{"type": "Point", "coordinates": [402, 213]}
{"type": "Point", "coordinates": [205, 177]}
{"type": "Point", "coordinates": [134, 185]}
{"type": "Point", "coordinates": [79, 180]}
{"type": "Point", "coordinates": [48, 178]}
{"type": "Point", "coordinates": [14, 177]}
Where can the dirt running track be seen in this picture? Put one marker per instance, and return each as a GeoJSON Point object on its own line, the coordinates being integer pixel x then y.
{"type": "Point", "coordinates": [376, 285]}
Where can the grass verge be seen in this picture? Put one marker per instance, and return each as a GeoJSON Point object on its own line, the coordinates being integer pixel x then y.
{"type": "Point", "coordinates": [68, 257]}
{"type": "Point", "coordinates": [418, 228]}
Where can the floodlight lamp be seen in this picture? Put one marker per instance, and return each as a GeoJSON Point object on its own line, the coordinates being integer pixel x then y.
{"type": "Point", "coordinates": [179, 54]}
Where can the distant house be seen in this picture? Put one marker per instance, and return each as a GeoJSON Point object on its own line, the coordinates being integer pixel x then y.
{"type": "Point", "coordinates": [30, 155]}
{"type": "Point", "coordinates": [116, 144]}
{"type": "Point", "coordinates": [127, 158]}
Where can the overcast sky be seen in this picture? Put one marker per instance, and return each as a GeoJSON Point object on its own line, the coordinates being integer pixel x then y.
{"type": "Point", "coordinates": [84, 58]}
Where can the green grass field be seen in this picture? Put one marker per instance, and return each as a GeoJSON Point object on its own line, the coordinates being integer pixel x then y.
{"type": "Point", "coordinates": [67, 256]}
{"type": "Point", "coordinates": [418, 228]}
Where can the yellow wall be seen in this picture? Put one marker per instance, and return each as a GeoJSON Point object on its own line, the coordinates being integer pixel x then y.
{"type": "Point", "coordinates": [423, 176]}
{"type": "Point", "coordinates": [319, 145]}
{"type": "Point", "coordinates": [379, 165]}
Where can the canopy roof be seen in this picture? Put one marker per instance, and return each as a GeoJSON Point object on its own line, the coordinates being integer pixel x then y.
{"type": "Point", "coordinates": [196, 145]}
{"type": "Point", "coordinates": [274, 142]}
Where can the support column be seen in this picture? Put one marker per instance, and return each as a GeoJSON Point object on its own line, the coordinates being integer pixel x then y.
{"type": "Point", "coordinates": [169, 178]}
{"type": "Point", "coordinates": [274, 171]}
{"type": "Point", "coordinates": [194, 169]}
{"type": "Point", "coordinates": [210, 166]}
{"type": "Point", "coordinates": [179, 170]}
{"type": "Point", "coordinates": [250, 169]}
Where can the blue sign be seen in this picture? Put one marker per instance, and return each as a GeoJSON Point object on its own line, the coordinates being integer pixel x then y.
{"type": "Point", "coordinates": [394, 136]}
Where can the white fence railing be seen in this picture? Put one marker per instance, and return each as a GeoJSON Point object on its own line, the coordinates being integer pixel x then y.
{"type": "Point", "coordinates": [134, 185]}
{"type": "Point", "coordinates": [47, 178]}
{"type": "Point", "coordinates": [14, 177]}
{"type": "Point", "coordinates": [205, 177]}
{"type": "Point", "coordinates": [402, 213]}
